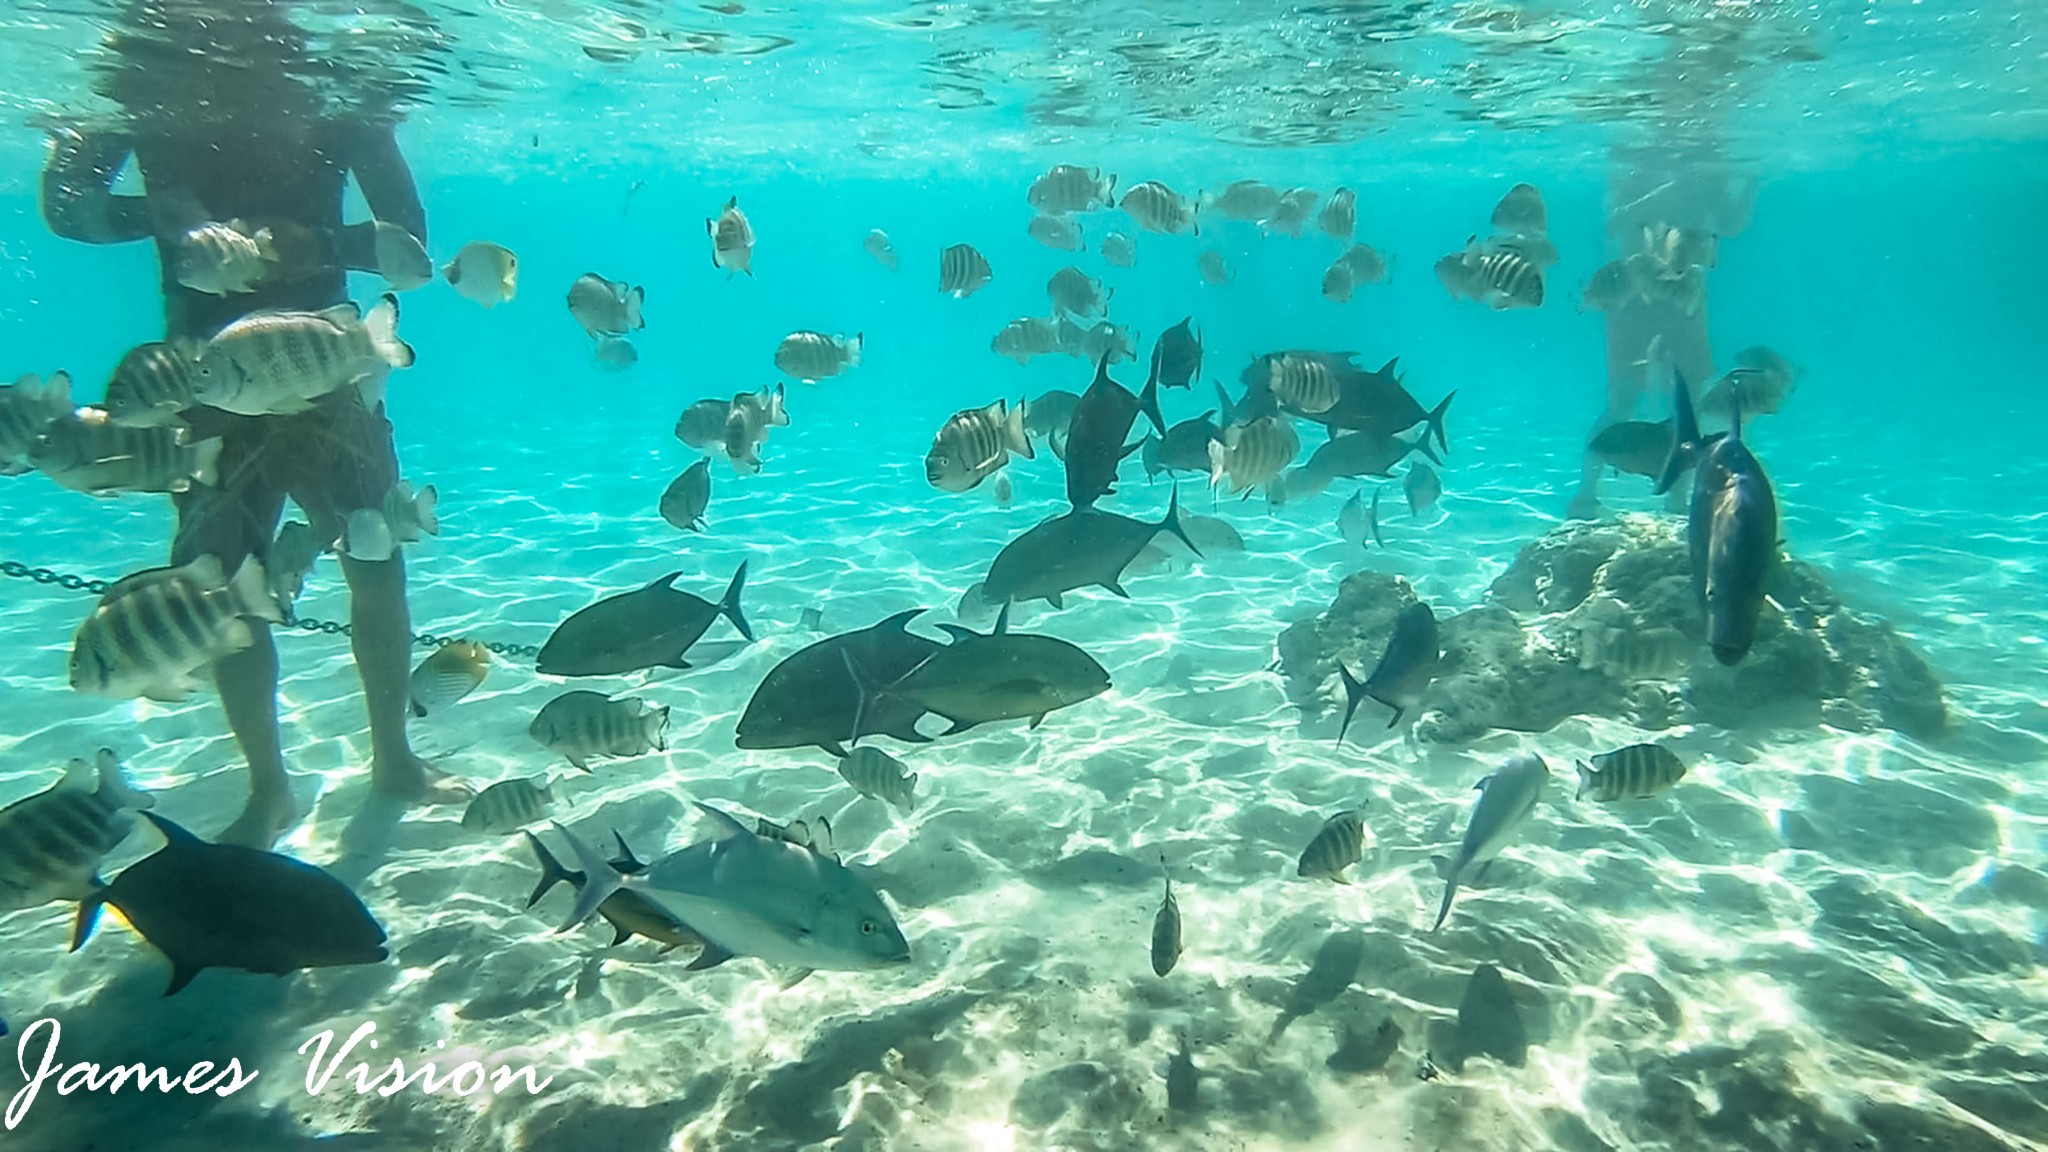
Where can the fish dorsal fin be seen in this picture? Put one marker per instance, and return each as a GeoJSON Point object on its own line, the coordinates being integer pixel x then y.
{"type": "Point", "coordinates": [627, 862]}
{"type": "Point", "coordinates": [726, 826]}
{"type": "Point", "coordinates": [663, 583]}
{"type": "Point", "coordinates": [1002, 620]}
{"type": "Point", "coordinates": [1479, 787]}
{"type": "Point", "coordinates": [175, 833]}
{"type": "Point", "coordinates": [820, 839]}
{"type": "Point", "coordinates": [79, 776]}
{"type": "Point", "coordinates": [959, 632]}
{"type": "Point", "coordinates": [900, 621]}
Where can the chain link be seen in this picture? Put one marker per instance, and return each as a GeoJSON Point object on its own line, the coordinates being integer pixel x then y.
{"type": "Point", "coordinates": [77, 583]}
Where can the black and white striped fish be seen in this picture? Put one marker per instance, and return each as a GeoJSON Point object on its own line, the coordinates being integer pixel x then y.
{"type": "Point", "coordinates": [151, 631]}
{"type": "Point", "coordinates": [87, 452]}
{"type": "Point", "coordinates": [508, 806]}
{"type": "Point", "coordinates": [963, 271]}
{"type": "Point", "coordinates": [277, 363]}
{"type": "Point", "coordinates": [1304, 383]}
{"type": "Point", "coordinates": [1157, 208]}
{"type": "Point", "coordinates": [27, 407]}
{"type": "Point", "coordinates": [1056, 232]}
{"type": "Point", "coordinates": [1337, 846]}
{"type": "Point", "coordinates": [877, 775]}
{"type": "Point", "coordinates": [1253, 454]}
{"type": "Point", "coordinates": [582, 725]}
{"type": "Point", "coordinates": [1632, 773]}
{"type": "Point", "coordinates": [152, 384]}
{"type": "Point", "coordinates": [974, 444]}
{"type": "Point", "coordinates": [1077, 293]}
{"type": "Point", "coordinates": [51, 843]}
{"type": "Point", "coordinates": [1339, 217]}
{"type": "Point", "coordinates": [814, 356]}
{"type": "Point", "coordinates": [1497, 274]}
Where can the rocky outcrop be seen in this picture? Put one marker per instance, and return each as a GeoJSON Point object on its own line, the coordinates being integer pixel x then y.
{"type": "Point", "coordinates": [1601, 619]}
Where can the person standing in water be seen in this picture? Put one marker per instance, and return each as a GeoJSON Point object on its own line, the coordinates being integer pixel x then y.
{"type": "Point", "coordinates": [1653, 190]}
{"type": "Point", "coordinates": [221, 116]}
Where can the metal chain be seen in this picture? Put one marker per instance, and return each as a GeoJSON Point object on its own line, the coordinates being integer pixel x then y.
{"type": "Point", "coordinates": [307, 624]}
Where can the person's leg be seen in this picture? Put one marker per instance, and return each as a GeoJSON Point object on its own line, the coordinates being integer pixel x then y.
{"type": "Point", "coordinates": [231, 521]}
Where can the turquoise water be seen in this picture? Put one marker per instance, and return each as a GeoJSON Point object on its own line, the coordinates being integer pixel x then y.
{"type": "Point", "coordinates": [1823, 938]}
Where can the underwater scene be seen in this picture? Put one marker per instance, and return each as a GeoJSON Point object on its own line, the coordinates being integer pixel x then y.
{"type": "Point", "coordinates": [617, 576]}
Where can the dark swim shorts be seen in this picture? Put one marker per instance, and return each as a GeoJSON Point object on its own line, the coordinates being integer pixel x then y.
{"type": "Point", "coordinates": [333, 459]}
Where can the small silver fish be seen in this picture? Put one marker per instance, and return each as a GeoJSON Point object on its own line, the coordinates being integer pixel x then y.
{"type": "Point", "coordinates": [1210, 265]}
{"type": "Point", "coordinates": [1166, 941]}
{"type": "Point", "coordinates": [814, 356]}
{"type": "Point", "coordinates": [732, 239]}
{"type": "Point", "coordinates": [1055, 232]}
{"type": "Point", "coordinates": [1118, 251]}
{"type": "Point", "coordinates": [400, 257]}
{"type": "Point", "coordinates": [291, 559]}
{"type": "Point", "coordinates": [1338, 845]}
{"type": "Point", "coordinates": [1356, 523]}
{"type": "Point", "coordinates": [877, 245]}
{"type": "Point", "coordinates": [1636, 772]}
{"type": "Point", "coordinates": [962, 271]}
{"type": "Point", "coordinates": [582, 725]}
{"type": "Point", "coordinates": [484, 273]}
{"type": "Point", "coordinates": [1634, 653]}
{"type": "Point", "coordinates": [879, 776]}
{"type": "Point", "coordinates": [454, 670]}
{"type": "Point", "coordinates": [614, 353]}
{"type": "Point", "coordinates": [405, 517]}
{"type": "Point", "coordinates": [1422, 486]}
{"type": "Point", "coordinates": [1026, 338]}
{"type": "Point", "coordinates": [684, 501]}
{"type": "Point", "coordinates": [508, 806]}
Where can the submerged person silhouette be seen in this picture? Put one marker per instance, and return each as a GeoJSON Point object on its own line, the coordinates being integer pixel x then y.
{"type": "Point", "coordinates": [230, 117]}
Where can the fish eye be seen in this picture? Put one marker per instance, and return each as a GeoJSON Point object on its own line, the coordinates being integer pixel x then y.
{"type": "Point", "coordinates": [867, 927]}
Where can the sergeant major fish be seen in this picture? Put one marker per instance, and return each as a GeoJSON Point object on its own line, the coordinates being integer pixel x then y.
{"type": "Point", "coordinates": [1066, 188]}
{"type": "Point", "coordinates": [152, 630]}
{"type": "Point", "coordinates": [749, 895]}
{"type": "Point", "coordinates": [1292, 211]}
{"type": "Point", "coordinates": [1214, 271]}
{"type": "Point", "coordinates": [1338, 845]}
{"type": "Point", "coordinates": [1026, 338]}
{"type": "Point", "coordinates": [1245, 200]}
{"type": "Point", "coordinates": [290, 560]}
{"type": "Point", "coordinates": [1254, 454]}
{"type": "Point", "coordinates": [51, 843]}
{"type": "Point", "coordinates": [278, 363]}
{"type": "Point", "coordinates": [1339, 217]}
{"type": "Point", "coordinates": [814, 356]}
{"type": "Point", "coordinates": [974, 444]}
{"type": "Point", "coordinates": [1055, 232]}
{"type": "Point", "coordinates": [27, 407]}
{"type": "Point", "coordinates": [1156, 208]}
{"type": "Point", "coordinates": [878, 246]}
{"type": "Point", "coordinates": [1507, 798]}
{"type": "Point", "coordinates": [508, 806]}
{"type": "Point", "coordinates": [880, 776]}
{"type": "Point", "coordinates": [1076, 293]}
{"type": "Point", "coordinates": [582, 725]}
{"type": "Point", "coordinates": [153, 384]}
{"type": "Point", "coordinates": [1118, 251]}
{"type": "Point", "coordinates": [87, 452]}
{"type": "Point", "coordinates": [1635, 772]}
{"type": "Point", "coordinates": [402, 517]}
{"type": "Point", "coordinates": [223, 259]}
{"type": "Point", "coordinates": [962, 271]}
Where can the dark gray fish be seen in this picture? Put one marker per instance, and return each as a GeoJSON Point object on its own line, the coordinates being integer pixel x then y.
{"type": "Point", "coordinates": [27, 408]}
{"type": "Point", "coordinates": [1177, 356]}
{"type": "Point", "coordinates": [810, 700]}
{"type": "Point", "coordinates": [606, 307]}
{"type": "Point", "coordinates": [225, 906]}
{"type": "Point", "coordinates": [629, 913]}
{"type": "Point", "coordinates": [1166, 932]}
{"type": "Point", "coordinates": [1359, 1052]}
{"type": "Point", "coordinates": [1183, 1079]}
{"type": "Point", "coordinates": [651, 627]}
{"type": "Point", "coordinates": [1051, 417]}
{"type": "Point", "coordinates": [1086, 548]}
{"type": "Point", "coordinates": [962, 271]}
{"type": "Point", "coordinates": [685, 499]}
{"type": "Point", "coordinates": [1076, 293]}
{"type": "Point", "coordinates": [1732, 529]}
{"type": "Point", "coordinates": [702, 425]}
{"type": "Point", "coordinates": [1635, 772]}
{"type": "Point", "coordinates": [1506, 800]}
{"type": "Point", "coordinates": [1404, 671]}
{"type": "Point", "coordinates": [1184, 448]}
{"type": "Point", "coordinates": [1353, 454]}
{"type": "Point", "coordinates": [1328, 975]}
{"type": "Point", "coordinates": [981, 678]}
{"type": "Point", "coordinates": [1095, 435]}
{"type": "Point", "coordinates": [1489, 1024]}
{"type": "Point", "coordinates": [1423, 488]}
{"type": "Point", "coordinates": [1637, 447]}
{"type": "Point", "coordinates": [1338, 845]}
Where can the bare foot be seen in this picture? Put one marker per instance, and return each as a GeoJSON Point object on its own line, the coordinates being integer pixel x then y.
{"type": "Point", "coordinates": [415, 781]}
{"type": "Point", "coordinates": [262, 822]}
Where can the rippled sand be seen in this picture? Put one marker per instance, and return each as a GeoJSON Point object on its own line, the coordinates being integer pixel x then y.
{"type": "Point", "coordinates": [1816, 939]}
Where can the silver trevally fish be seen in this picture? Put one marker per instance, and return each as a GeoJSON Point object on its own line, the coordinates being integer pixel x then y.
{"type": "Point", "coordinates": [751, 895]}
{"type": "Point", "coordinates": [1506, 800]}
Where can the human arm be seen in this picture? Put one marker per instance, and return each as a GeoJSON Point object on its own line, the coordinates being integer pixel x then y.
{"type": "Point", "coordinates": [78, 197]}
{"type": "Point", "coordinates": [387, 186]}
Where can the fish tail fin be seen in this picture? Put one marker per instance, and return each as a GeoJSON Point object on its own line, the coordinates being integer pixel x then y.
{"type": "Point", "coordinates": [635, 300]}
{"type": "Point", "coordinates": [1421, 444]}
{"type": "Point", "coordinates": [1436, 417]}
{"type": "Point", "coordinates": [729, 607]}
{"type": "Point", "coordinates": [1685, 435]}
{"type": "Point", "coordinates": [1735, 414]}
{"type": "Point", "coordinates": [600, 879]}
{"type": "Point", "coordinates": [1354, 693]}
{"type": "Point", "coordinates": [88, 916]}
{"type": "Point", "coordinates": [551, 870]}
{"type": "Point", "coordinates": [1148, 455]}
{"type": "Point", "coordinates": [1172, 521]}
{"type": "Point", "coordinates": [1219, 462]}
{"type": "Point", "coordinates": [423, 505]}
{"type": "Point", "coordinates": [1148, 403]}
{"type": "Point", "coordinates": [854, 347]}
{"type": "Point", "coordinates": [206, 461]}
{"type": "Point", "coordinates": [1013, 431]}
{"type": "Point", "coordinates": [1585, 778]}
{"type": "Point", "coordinates": [115, 789]}
{"type": "Point", "coordinates": [382, 324]}
{"type": "Point", "coordinates": [249, 593]}
{"type": "Point", "coordinates": [1225, 409]}
{"type": "Point", "coordinates": [1372, 518]}
{"type": "Point", "coordinates": [656, 731]}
